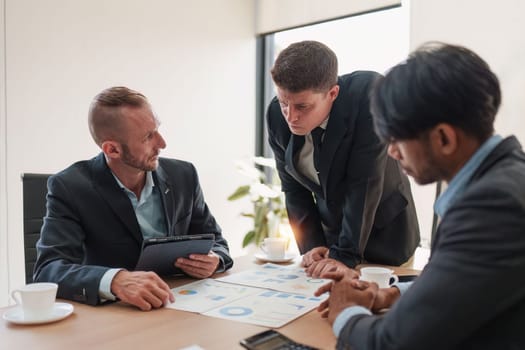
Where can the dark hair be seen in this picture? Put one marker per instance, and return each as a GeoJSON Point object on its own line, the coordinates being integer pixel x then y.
{"type": "Point", "coordinates": [438, 83]}
{"type": "Point", "coordinates": [104, 117]}
{"type": "Point", "coordinates": [305, 65]}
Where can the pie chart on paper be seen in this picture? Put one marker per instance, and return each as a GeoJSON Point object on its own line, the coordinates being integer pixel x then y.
{"type": "Point", "coordinates": [187, 292]}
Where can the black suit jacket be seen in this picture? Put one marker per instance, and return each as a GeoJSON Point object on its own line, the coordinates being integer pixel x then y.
{"type": "Point", "coordinates": [471, 294]}
{"type": "Point", "coordinates": [364, 201]}
{"type": "Point", "coordinates": [90, 225]}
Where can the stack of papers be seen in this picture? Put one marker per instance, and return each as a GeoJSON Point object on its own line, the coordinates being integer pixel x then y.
{"type": "Point", "coordinates": [270, 295]}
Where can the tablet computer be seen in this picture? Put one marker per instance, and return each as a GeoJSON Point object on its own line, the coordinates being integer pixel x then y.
{"type": "Point", "coordinates": [159, 254]}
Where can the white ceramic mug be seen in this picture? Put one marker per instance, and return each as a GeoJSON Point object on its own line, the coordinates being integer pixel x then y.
{"type": "Point", "coordinates": [274, 247]}
{"type": "Point", "coordinates": [36, 299]}
{"type": "Point", "coordinates": [382, 276]}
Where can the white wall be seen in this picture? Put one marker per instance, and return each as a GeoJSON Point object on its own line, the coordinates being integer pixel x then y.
{"type": "Point", "coordinates": [494, 30]}
{"type": "Point", "coordinates": [195, 60]}
{"type": "Point", "coordinates": [3, 183]}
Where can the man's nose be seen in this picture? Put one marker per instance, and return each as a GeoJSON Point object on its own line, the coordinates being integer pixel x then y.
{"type": "Point", "coordinates": [292, 115]}
{"type": "Point", "coordinates": [161, 142]}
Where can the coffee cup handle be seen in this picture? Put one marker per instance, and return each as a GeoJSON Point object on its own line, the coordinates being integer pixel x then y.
{"type": "Point", "coordinates": [15, 297]}
{"type": "Point", "coordinates": [394, 278]}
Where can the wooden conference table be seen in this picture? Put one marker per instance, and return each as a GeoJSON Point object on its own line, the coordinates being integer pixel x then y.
{"type": "Point", "coordinates": [123, 327]}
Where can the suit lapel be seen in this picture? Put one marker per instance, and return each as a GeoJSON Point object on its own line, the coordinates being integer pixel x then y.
{"type": "Point", "coordinates": [108, 188]}
{"type": "Point", "coordinates": [166, 193]}
{"type": "Point", "coordinates": [335, 131]}
{"type": "Point", "coordinates": [294, 145]}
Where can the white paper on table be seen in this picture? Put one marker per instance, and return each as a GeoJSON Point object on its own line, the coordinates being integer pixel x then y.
{"type": "Point", "coordinates": [267, 308]}
{"type": "Point", "coordinates": [290, 279]}
{"type": "Point", "coordinates": [207, 294]}
{"type": "Point", "coordinates": [192, 347]}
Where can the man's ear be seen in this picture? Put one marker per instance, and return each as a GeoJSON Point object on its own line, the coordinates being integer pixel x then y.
{"type": "Point", "coordinates": [445, 138]}
{"type": "Point", "coordinates": [111, 149]}
{"type": "Point", "coordinates": [333, 92]}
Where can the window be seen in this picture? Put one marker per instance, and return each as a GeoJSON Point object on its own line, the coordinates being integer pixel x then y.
{"type": "Point", "coordinates": [371, 41]}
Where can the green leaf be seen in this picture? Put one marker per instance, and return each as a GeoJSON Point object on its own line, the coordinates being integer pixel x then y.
{"type": "Point", "coordinates": [261, 234]}
{"type": "Point", "coordinates": [239, 193]}
{"type": "Point", "coordinates": [248, 238]}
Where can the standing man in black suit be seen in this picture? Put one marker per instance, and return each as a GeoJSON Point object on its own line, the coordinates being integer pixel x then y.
{"type": "Point", "coordinates": [347, 201]}
{"type": "Point", "coordinates": [99, 211]}
{"type": "Point", "coordinates": [436, 111]}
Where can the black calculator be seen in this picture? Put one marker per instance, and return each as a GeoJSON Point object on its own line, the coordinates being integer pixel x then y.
{"type": "Point", "coordinates": [272, 340]}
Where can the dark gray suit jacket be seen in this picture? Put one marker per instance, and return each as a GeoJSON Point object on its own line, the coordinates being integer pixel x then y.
{"type": "Point", "coordinates": [90, 225]}
{"type": "Point", "coordinates": [364, 201]}
{"type": "Point", "coordinates": [471, 295]}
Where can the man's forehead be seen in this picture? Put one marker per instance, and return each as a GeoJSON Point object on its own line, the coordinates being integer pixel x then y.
{"type": "Point", "coordinates": [305, 96]}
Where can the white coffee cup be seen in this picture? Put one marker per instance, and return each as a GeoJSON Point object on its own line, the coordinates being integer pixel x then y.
{"type": "Point", "coordinates": [36, 299]}
{"type": "Point", "coordinates": [382, 276]}
{"type": "Point", "coordinates": [274, 247]}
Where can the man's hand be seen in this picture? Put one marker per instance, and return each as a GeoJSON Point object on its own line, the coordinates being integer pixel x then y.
{"type": "Point", "coordinates": [345, 293]}
{"type": "Point", "coordinates": [385, 298]}
{"type": "Point", "coordinates": [199, 265]}
{"type": "Point", "coordinates": [145, 290]}
{"type": "Point", "coordinates": [321, 267]}
{"type": "Point", "coordinates": [315, 254]}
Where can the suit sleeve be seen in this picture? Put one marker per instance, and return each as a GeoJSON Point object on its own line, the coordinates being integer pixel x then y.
{"type": "Point", "coordinates": [302, 211]}
{"type": "Point", "coordinates": [364, 184]}
{"type": "Point", "coordinates": [471, 281]}
{"type": "Point", "coordinates": [61, 249]}
{"type": "Point", "coordinates": [202, 221]}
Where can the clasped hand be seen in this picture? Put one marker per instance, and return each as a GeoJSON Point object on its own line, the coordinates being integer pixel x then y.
{"type": "Point", "coordinates": [347, 290]}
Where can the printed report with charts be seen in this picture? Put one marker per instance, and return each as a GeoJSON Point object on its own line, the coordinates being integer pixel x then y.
{"type": "Point", "coordinates": [269, 295]}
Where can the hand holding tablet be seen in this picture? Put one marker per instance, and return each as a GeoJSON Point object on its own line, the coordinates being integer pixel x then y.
{"type": "Point", "coordinates": [160, 254]}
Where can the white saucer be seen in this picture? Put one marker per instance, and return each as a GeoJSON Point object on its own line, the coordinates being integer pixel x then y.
{"type": "Point", "coordinates": [60, 311]}
{"type": "Point", "coordinates": [263, 257]}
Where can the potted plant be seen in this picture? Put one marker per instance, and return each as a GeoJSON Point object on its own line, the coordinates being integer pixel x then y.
{"type": "Point", "coordinates": [269, 211]}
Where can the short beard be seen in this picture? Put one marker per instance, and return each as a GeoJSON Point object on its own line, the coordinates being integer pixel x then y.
{"type": "Point", "coordinates": [131, 161]}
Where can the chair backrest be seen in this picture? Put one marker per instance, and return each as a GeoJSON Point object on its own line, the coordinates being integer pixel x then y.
{"type": "Point", "coordinates": [34, 192]}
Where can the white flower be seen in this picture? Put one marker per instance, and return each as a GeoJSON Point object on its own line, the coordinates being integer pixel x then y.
{"type": "Point", "coordinates": [249, 171]}
{"type": "Point", "coordinates": [268, 162]}
{"type": "Point", "coordinates": [262, 190]}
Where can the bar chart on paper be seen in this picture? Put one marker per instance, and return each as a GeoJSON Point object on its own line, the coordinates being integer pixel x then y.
{"type": "Point", "coordinates": [270, 296]}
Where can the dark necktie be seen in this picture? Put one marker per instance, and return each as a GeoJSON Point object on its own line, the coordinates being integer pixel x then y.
{"type": "Point", "coordinates": [317, 139]}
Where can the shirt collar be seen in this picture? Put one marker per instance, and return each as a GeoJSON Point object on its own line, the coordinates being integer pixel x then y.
{"type": "Point", "coordinates": [148, 185]}
{"type": "Point", "coordinates": [459, 182]}
{"type": "Point", "coordinates": [324, 123]}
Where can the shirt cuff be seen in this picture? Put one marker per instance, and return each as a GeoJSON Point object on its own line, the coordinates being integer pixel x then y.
{"type": "Point", "coordinates": [402, 286]}
{"type": "Point", "coordinates": [346, 315]}
{"type": "Point", "coordinates": [104, 288]}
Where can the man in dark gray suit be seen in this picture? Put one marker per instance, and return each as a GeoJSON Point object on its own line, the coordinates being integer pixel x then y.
{"type": "Point", "coordinates": [436, 111]}
{"type": "Point", "coordinates": [99, 211]}
{"type": "Point", "coordinates": [347, 201]}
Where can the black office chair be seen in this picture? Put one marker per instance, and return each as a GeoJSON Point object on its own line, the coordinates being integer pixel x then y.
{"type": "Point", "coordinates": [34, 192]}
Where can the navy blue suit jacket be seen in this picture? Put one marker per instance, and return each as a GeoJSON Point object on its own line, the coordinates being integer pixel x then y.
{"type": "Point", "coordinates": [90, 225]}
{"type": "Point", "coordinates": [471, 294]}
{"type": "Point", "coordinates": [363, 209]}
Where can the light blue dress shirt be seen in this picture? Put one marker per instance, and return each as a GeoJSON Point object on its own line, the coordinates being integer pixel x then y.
{"type": "Point", "coordinates": [455, 188]}
{"type": "Point", "coordinates": [150, 216]}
